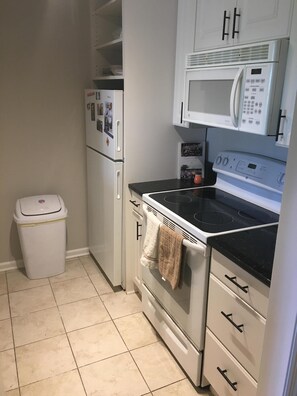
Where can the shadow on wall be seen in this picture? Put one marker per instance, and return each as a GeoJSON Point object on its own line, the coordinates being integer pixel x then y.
{"type": "Point", "coordinates": [14, 242]}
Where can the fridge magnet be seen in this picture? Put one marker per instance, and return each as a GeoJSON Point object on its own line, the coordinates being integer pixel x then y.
{"type": "Point", "coordinates": [92, 111]}
{"type": "Point", "coordinates": [108, 119]}
{"type": "Point", "coordinates": [99, 125]}
{"type": "Point", "coordinates": [191, 161]}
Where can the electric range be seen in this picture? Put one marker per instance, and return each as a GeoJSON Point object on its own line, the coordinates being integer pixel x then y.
{"type": "Point", "coordinates": [247, 195]}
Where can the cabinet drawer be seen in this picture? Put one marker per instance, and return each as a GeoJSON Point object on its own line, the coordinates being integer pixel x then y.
{"type": "Point", "coordinates": [217, 357]}
{"type": "Point", "coordinates": [136, 202]}
{"type": "Point", "coordinates": [226, 311]}
{"type": "Point", "coordinates": [256, 294]}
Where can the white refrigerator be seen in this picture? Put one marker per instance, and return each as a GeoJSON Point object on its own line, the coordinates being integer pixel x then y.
{"type": "Point", "coordinates": [105, 166]}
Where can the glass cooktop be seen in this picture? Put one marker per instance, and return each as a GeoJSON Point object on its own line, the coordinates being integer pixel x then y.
{"type": "Point", "coordinates": [213, 210]}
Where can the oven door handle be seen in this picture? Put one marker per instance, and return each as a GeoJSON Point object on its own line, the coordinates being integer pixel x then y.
{"type": "Point", "coordinates": [198, 247]}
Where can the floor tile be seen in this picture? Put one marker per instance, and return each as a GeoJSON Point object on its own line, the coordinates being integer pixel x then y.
{"type": "Point", "coordinates": [6, 341]}
{"type": "Point", "coordinates": [8, 370]}
{"type": "Point", "coordinates": [73, 269]}
{"type": "Point", "coordinates": [157, 365]}
{"type": "Point", "coordinates": [97, 342]}
{"type": "Point", "coordinates": [4, 307]}
{"type": "Point", "coordinates": [61, 385]}
{"type": "Point", "coordinates": [44, 359]}
{"type": "Point", "coordinates": [14, 392]}
{"type": "Point", "coordinates": [17, 280]}
{"type": "Point", "coordinates": [180, 388]}
{"type": "Point", "coordinates": [37, 326]}
{"type": "Point", "coordinates": [3, 284]}
{"type": "Point", "coordinates": [121, 304]}
{"type": "Point", "coordinates": [73, 290]}
{"type": "Point", "coordinates": [31, 300]}
{"type": "Point", "coordinates": [114, 376]}
{"type": "Point", "coordinates": [100, 283]}
{"type": "Point", "coordinates": [83, 313]}
{"type": "Point", "coordinates": [136, 330]}
{"type": "Point", "coordinates": [89, 265]}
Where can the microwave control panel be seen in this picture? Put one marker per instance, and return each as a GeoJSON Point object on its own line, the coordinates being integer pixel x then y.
{"type": "Point", "coordinates": [255, 98]}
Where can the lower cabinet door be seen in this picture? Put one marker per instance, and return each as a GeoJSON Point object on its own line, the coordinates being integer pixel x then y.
{"type": "Point", "coordinates": [223, 371]}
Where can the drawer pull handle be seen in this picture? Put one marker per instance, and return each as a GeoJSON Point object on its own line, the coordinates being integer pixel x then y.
{"type": "Point", "coordinates": [134, 203]}
{"type": "Point", "coordinates": [233, 280]}
{"type": "Point", "coordinates": [228, 317]}
{"type": "Point", "coordinates": [223, 373]}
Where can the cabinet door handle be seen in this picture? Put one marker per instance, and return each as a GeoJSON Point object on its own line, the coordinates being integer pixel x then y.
{"type": "Point", "coordinates": [134, 203]}
{"type": "Point", "coordinates": [223, 373]}
{"type": "Point", "coordinates": [235, 15]}
{"type": "Point", "coordinates": [280, 117]}
{"type": "Point", "coordinates": [233, 280]}
{"type": "Point", "coordinates": [138, 225]}
{"type": "Point", "coordinates": [228, 317]}
{"type": "Point", "coordinates": [224, 25]}
{"type": "Point", "coordinates": [181, 112]}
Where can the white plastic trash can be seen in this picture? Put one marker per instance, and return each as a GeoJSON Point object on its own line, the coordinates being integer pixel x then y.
{"type": "Point", "coordinates": [41, 223]}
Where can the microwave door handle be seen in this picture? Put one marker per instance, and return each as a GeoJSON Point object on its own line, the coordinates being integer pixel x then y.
{"type": "Point", "coordinates": [234, 98]}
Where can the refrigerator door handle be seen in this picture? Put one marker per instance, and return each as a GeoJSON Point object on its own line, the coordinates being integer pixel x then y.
{"type": "Point", "coordinates": [118, 136]}
{"type": "Point", "coordinates": [118, 182]}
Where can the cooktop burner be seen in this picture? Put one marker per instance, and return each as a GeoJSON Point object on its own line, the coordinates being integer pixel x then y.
{"type": "Point", "coordinates": [213, 210]}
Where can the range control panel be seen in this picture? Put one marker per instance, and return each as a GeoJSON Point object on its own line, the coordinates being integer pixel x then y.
{"type": "Point", "coordinates": [252, 168]}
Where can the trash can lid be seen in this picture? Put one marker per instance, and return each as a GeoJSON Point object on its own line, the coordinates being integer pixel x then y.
{"type": "Point", "coordinates": [40, 205]}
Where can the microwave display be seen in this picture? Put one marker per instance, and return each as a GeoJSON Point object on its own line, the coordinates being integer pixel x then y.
{"type": "Point", "coordinates": [256, 71]}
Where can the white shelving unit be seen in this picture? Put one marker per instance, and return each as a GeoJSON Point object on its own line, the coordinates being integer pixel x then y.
{"type": "Point", "coordinates": [107, 42]}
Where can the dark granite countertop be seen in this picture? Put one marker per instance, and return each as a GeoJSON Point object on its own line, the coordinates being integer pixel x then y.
{"type": "Point", "coordinates": [160, 185]}
{"type": "Point", "coordinates": [252, 250]}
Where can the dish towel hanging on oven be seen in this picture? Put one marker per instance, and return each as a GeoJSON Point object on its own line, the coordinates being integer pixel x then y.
{"type": "Point", "coordinates": [170, 255]}
{"type": "Point", "coordinates": [149, 257]}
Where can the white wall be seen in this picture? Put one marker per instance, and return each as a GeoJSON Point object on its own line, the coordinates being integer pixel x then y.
{"type": "Point", "coordinates": [224, 139]}
{"type": "Point", "coordinates": [44, 67]}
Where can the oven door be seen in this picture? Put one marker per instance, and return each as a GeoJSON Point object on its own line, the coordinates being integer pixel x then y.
{"type": "Point", "coordinates": [213, 96]}
{"type": "Point", "coordinates": [186, 305]}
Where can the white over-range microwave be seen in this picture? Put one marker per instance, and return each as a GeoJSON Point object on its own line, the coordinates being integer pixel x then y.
{"type": "Point", "coordinates": [237, 88]}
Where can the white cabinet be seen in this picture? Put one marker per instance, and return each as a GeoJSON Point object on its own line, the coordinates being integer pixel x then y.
{"type": "Point", "coordinates": [289, 105]}
{"type": "Point", "coordinates": [231, 22]}
{"type": "Point", "coordinates": [237, 307]}
{"type": "Point", "coordinates": [184, 45]}
{"type": "Point", "coordinates": [106, 39]}
{"type": "Point", "coordinates": [134, 238]}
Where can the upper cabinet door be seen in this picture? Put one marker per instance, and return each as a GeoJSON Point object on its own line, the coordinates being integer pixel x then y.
{"type": "Point", "coordinates": [213, 23]}
{"type": "Point", "coordinates": [232, 22]}
{"type": "Point", "coordinates": [263, 20]}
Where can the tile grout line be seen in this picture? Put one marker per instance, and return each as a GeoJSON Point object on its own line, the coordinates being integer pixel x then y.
{"type": "Point", "coordinates": [12, 334]}
{"type": "Point", "coordinates": [77, 368]}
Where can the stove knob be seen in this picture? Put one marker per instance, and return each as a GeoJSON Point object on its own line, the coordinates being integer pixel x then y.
{"type": "Point", "coordinates": [225, 161]}
{"type": "Point", "coordinates": [219, 160]}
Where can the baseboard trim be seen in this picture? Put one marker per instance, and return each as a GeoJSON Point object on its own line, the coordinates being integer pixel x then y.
{"type": "Point", "coordinates": [70, 254]}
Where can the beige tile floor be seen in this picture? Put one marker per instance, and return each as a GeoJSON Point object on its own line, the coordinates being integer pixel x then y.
{"type": "Point", "coordinates": [72, 335]}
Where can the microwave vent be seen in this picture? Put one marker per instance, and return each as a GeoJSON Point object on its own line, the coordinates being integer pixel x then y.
{"type": "Point", "coordinates": [235, 55]}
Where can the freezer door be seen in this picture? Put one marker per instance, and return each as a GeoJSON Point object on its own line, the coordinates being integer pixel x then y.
{"type": "Point", "coordinates": [104, 122]}
{"type": "Point", "coordinates": [105, 185]}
